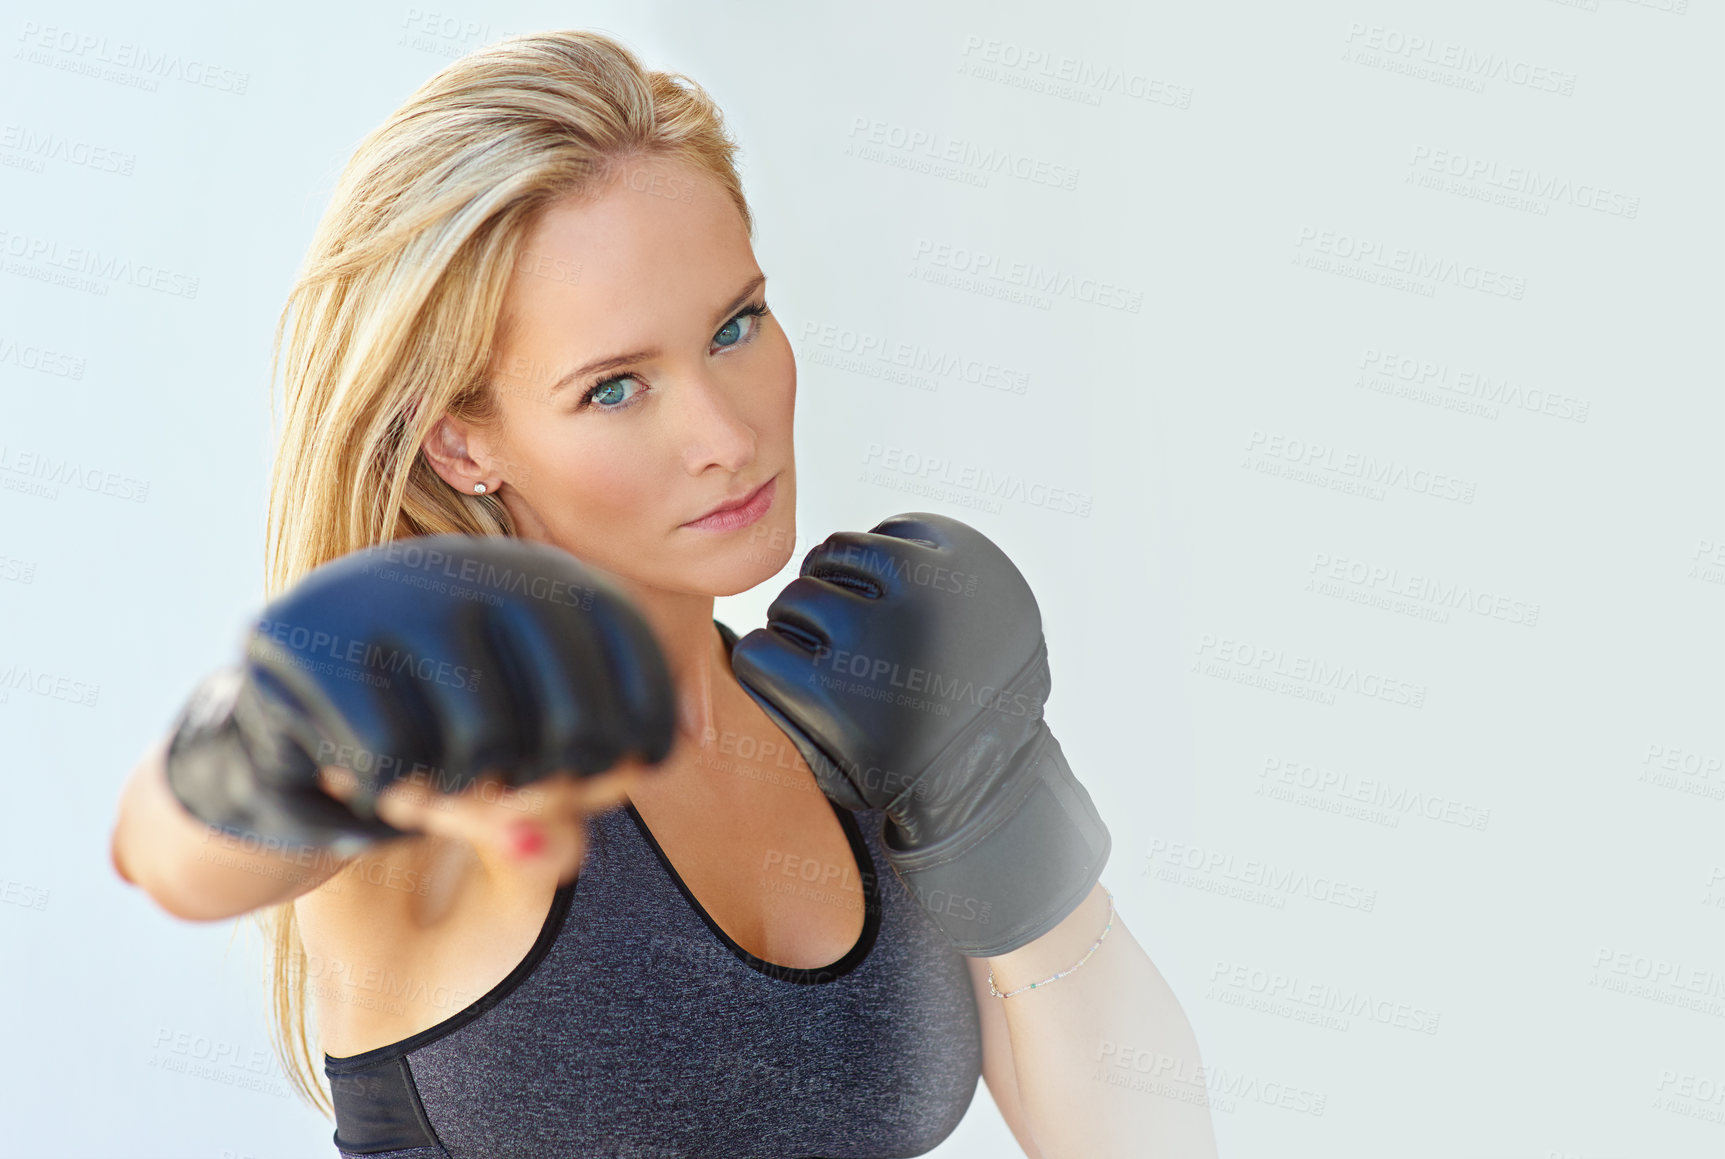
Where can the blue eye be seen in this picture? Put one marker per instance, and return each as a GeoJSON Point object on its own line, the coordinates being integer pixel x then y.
{"type": "Point", "coordinates": [608, 387]}
{"type": "Point", "coordinates": [606, 393]}
{"type": "Point", "coordinates": [752, 312]}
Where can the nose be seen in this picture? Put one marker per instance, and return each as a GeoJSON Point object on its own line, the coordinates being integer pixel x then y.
{"type": "Point", "coordinates": [710, 425]}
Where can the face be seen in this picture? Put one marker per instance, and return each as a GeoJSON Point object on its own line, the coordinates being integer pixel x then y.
{"type": "Point", "coordinates": [642, 384]}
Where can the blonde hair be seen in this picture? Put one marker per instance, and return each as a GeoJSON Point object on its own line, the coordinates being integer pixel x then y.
{"type": "Point", "coordinates": [392, 319]}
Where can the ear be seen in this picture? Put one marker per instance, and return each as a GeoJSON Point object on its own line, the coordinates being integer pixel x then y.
{"type": "Point", "coordinates": [450, 448]}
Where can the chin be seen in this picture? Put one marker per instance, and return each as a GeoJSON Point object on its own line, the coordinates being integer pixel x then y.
{"type": "Point", "coordinates": [760, 553]}
{"type": "Point", "coordinates": [751, 557]}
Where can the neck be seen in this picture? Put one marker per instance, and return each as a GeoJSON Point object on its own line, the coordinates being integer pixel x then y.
{"type": "Point", "coordinates": [695, 654]}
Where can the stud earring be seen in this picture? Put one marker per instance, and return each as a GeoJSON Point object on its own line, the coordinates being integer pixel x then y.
{"type": "Point", "coordinates": [479, 488]}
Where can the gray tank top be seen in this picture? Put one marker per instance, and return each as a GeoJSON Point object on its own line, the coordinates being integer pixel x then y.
{"type": "Point", "coordinates": [635, 1028]}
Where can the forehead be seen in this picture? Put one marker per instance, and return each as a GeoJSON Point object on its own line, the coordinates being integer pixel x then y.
{"type": "Point", "coordinates": [657, 238]}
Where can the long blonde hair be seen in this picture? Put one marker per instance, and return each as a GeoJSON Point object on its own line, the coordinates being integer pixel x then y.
{"type": "Point", "coordinates": [391, 321]}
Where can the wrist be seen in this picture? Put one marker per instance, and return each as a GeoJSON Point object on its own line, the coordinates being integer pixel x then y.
{"type": "Point", "coordinates": [1060, 949]}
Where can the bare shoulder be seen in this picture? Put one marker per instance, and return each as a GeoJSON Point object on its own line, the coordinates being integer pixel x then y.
{"type": "Point", "coordinates": [409, 934]}
{"type": "Point", "coordinates": [385, 894]}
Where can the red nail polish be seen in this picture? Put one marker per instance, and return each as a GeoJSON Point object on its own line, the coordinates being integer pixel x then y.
{"type": "Point", "coordinates": [528, 838]}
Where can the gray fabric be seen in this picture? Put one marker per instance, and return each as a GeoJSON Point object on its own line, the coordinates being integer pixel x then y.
{"type": "Point", "coordinates": [643, 1035]}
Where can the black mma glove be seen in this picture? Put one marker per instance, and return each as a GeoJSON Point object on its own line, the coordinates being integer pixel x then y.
{"type": "Point", "coordinates": [908, 666]}
{"type": "Point", "coordinates": [447, 655]}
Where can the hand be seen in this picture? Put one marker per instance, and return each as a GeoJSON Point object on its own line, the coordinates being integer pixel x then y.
{"type": "Point", "coordinates": [538, 826]}
{"type": "Point", "coordinates": [442, 660]}
{"type": "Point", "coordinates": [908, 665]}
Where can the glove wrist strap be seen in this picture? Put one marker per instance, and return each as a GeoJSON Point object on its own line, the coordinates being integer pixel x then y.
{"type": "Point", "coordinates": [999, 885]}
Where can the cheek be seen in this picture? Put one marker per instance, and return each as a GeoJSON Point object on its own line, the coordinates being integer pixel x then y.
{"type": "Point", "coordinates": [779, 377]}
{"type": "Point", "coordinates": [605, 478]}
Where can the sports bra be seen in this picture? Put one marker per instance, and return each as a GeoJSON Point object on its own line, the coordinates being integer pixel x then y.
{"type": "Point", "coordinates": [635, 1028]}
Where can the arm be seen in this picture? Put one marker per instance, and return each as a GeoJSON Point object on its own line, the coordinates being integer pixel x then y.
{"type": "Point", "coordinates": [997, 1067]}
{"type": "Point", "coordinates": [1104, 1060]}
{"type": "Point", "coordinates": [924, 697]}
{"type": "Point", "coordinates": [196, 872]}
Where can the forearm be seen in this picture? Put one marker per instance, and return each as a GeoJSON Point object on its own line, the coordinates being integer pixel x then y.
{"type": "Point", "coordinates": [196, 872]}
{"type": "Point", "coordinates": [1105, 1058]}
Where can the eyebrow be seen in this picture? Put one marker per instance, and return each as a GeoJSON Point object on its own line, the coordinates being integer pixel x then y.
{"type": "Point", "coordinates": [599, 366]}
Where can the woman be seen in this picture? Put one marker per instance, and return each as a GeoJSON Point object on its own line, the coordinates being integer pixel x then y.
{"type": "Point", "coordinates": [533, 310]}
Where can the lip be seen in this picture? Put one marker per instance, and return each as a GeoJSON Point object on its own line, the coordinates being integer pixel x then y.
{"type": "Point", "coordinates": [741, 512]}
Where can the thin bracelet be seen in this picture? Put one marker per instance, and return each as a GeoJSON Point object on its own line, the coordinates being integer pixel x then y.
{"type": "Point", "coordinates": [1069, 969]}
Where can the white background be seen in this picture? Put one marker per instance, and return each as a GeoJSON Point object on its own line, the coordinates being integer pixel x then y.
{"type": "Point", "coordinates": [1480, 696]}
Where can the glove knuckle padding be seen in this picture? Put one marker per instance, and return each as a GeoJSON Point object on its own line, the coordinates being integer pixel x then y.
{"type": "Point", "coordinates": [815, 608]}
{"type": "Point", "coordinates": [555, 702]}
{"type": "Point", "coordinates": [464, 693]}
{"type": "Point", "coordinates": [926, 701]}
{"type": "Point", "coordinates": [452, 654]}
{"type": "Point", "coordinates": [350, 714]}
{"type": "Point", "coordinates": [929, 530]}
